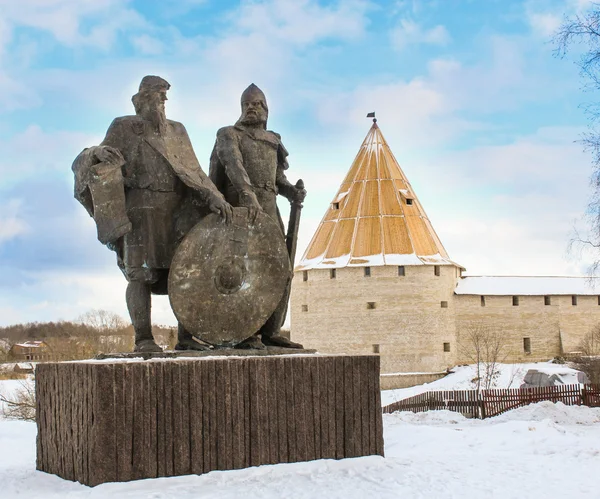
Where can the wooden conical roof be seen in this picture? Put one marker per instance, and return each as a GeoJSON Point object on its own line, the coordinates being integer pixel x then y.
{"type": "Point", "coordinates": [375, 217]}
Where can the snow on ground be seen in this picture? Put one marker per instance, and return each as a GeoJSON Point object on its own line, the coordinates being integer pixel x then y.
{"type": "Point", "coordinates": [510, 376]}
{"type": "Point", "coordinates": [541, 451]}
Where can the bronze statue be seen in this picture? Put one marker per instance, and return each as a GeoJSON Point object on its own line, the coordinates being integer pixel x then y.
{"type": "Point", "coordinates": [248, 166]}
{"type": "Point", "coordinates": [145, 189]}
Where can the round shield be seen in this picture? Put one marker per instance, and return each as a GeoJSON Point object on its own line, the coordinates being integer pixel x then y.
{"type": "Point", "coordinates": [227, 279]}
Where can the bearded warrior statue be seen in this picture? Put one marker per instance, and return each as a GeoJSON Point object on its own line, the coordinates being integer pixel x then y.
{"type": "Point", "coordinates": [248, 165]}
{"type": "Point", "coordinates": [145, 189]}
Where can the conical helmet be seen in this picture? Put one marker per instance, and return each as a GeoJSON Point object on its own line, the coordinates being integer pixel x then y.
{"type": "Point", "coordinates": [253, 93]}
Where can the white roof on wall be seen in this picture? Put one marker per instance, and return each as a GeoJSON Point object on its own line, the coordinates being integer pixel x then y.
{"type": "Point", "coordinates": [374, 261]}
{"type": "Point", "coordinates": [526, 285]}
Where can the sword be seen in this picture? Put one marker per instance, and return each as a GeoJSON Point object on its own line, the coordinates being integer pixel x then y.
{"type": "Point", "coordinates": [291, 240]}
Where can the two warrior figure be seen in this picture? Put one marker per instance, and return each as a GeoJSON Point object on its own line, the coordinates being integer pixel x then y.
{"type": "Point", "coordinates": [145, 189]}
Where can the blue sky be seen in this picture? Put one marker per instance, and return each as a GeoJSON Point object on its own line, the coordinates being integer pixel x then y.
{"type": "Point", "coordinates": [481, 116]}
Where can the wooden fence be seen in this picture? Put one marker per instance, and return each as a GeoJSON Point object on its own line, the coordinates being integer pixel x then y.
{"type": "Point", "coordinates": [488, 403]}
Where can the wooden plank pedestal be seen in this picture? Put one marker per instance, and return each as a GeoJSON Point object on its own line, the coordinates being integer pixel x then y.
{"type": "Point", "coordinates": [115, 421]}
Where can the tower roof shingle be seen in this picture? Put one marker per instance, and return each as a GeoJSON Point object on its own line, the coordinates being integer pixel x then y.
{"type": "Point", "coordinates": [375, 218]}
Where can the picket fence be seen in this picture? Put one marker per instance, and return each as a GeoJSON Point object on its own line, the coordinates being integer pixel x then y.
{"type": "Point", "coordinates": [487, 403]}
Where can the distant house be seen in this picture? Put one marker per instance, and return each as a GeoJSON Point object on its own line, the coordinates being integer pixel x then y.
{"type": "Point", "coordinates": [23, 368]}
{"type": "Point", "coordinates": [30, 350]}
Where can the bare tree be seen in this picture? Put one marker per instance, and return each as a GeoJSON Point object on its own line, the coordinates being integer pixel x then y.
{"type": "Point", "coordinates": [590, 344]}
{"type": "Point", "coordinates": [21, 404]}
{"type": "Point", "coordinates": [3, 354]}
{"type": "Point", "coordinates": [516, 372]}
{"type": "Point", "coordinates": [103, 320]}
{"type": "Point", "coordinates": [485, 347]}
{"type": "Point", "coordinates": [106, 332]}
{"type": "Point", "coordinates": [589, 360]}
{"type": "Point", "coordinates": [584, 30]}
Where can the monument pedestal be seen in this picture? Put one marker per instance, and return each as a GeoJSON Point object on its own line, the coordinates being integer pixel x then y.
{"type": "Point", "coordinates": [120, 420]}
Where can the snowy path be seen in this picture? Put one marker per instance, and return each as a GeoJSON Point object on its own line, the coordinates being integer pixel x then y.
{"type": "Point", "coordinates": [542, 451]}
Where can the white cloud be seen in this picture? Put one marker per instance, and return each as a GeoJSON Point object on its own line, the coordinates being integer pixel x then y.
{"type": "Point", "coordinates": [545, 16]}
{"type": "Point", "coordinates": [147, 44]}
{"type": "Point", "coordinates": [63, 19]}
{"type": "Point", "coordinates": [65, 295]}
{"type": "Point", "coordinates": [16, 95]}
{"type": "Point", "coordinates": [415, 7]}
{"type": "Point", "coordinates": [174, 8]}
{"type": "Point", "coordinates": [509, 209]}
{"type": "Point", "coordinates": [544, 23]}
{"type": "Point", "coordinates": [259, 41]}
{"type": "Point", "coordinates": [11, 224]}
{"type": "Point", "coordinates": [71, 23]}
{"type": "Point", "coordinates": [539, 161]}
{"type": "Point", "coordinates": [451, 98]}
{"type": "Point", "coordinates": [5, 36]}
{"type": "Point", "coordinates": [302, 21]}
{"type": "Point", "coordinates": [409, 32]}
{"type": "Point", "coordinates": [417, 113]}
{"type": "Point", "coordinates": [34, 151]}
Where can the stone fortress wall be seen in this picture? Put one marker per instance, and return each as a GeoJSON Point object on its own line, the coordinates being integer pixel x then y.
{"type": "Point", "coordinates": [418, 324]}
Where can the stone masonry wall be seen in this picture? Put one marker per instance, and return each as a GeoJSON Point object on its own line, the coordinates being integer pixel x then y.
{"type": "Point", "coordinates": [552, 329]}
{"type": "Point", "coordinates": [408, 324]}
{"type": "Point", "coordinates": [410, 328]}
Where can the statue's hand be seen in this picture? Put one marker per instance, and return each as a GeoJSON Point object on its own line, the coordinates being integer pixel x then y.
{"type": "Point", "coordinates": [110, 155]}
{"type": "Point", "coordinates": [218, 205]}
{"type": "Point", "coordinates": [248, 200]}
{"type": "Point", "coordinates": [298, 195]}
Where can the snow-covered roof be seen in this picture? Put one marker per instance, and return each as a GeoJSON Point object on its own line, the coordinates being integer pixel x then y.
{"type": "Point", "coordinates": [375, 217]}
{"type": "Point", "coordinates": [31, 344]}
{"type": "Point", "coordinates": [23, 366]}
{"type": "Point", "coordinates": [374, 261]}
{"type": "Point", "coordinates": [527, 285]}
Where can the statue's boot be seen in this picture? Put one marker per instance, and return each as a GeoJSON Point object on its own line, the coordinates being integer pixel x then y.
{"type": "Point", "coordinates": [252, 343]}
{"type": "Point", "coordinates": [138, 304]}
{"type": "Point", "coordinates": [271, 329]}
{"type": "Point", "coordinates": [147, 345]}
{"type": "Point", "coordinates": [185, 341]}
{"type": "Point", "coordinates": [279, 341]}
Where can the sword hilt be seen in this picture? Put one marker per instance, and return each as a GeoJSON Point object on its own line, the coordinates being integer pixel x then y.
{"type": "Point", "coordinates": [299, 185]}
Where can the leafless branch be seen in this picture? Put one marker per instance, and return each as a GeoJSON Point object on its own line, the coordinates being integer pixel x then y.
{"type": "Point", "coordinates": [21, 405]}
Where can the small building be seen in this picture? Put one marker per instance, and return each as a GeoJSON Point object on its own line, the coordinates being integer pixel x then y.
{"type": "Point", "coordinates": [376, 278]}
{"type": "Point", "coordinates": [30, 350]}
{"type": "Point", "coordinates": [23, 368]}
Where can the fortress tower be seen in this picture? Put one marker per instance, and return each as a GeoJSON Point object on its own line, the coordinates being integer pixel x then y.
{"type": "Point", "coordinates": [376, 277]}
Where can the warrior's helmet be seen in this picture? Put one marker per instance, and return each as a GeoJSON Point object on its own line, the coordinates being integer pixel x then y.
{"type": "Point", "coordinates": [253, 93]}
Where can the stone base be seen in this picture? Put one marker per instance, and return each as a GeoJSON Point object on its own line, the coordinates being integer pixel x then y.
{"type": "Point", "coordinates": [121, 420]}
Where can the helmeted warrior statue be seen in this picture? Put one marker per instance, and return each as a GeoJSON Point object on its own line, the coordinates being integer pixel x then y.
{"type": "Point", "coordinates": [145, 189]}
{"type": "Point", "coordinates": [248, 166]}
